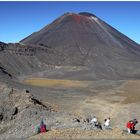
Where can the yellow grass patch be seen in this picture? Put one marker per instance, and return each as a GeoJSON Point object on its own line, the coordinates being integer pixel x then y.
{"type": "Point", "coordinates": [131, 90]}
{"type": "Point", "coordinates": [44, 82]}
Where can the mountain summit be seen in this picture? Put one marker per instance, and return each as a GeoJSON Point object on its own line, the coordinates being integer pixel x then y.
{"type": "Point", "coordinates": [83, 31]}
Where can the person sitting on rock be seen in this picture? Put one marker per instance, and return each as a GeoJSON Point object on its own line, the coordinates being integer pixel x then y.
{"type": "Point", "coordinates": [131, 126]}
{"type": "Point", "coordinates": [42, 127]}
{"type": "Point", "coordinates": [94, 122]}
{"type": "Point", "coordinates": [107, 123]}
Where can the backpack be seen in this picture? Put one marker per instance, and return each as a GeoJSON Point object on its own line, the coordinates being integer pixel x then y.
{"type": "Point", "coordinates": [43, 128]}
{"type": "Point", "coordinates": [128, 125]}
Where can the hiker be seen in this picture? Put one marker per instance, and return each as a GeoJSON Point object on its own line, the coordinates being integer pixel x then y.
{"type": "Point", "coordinates": [94, 122]}
{"type": "Point", "coordinates": [41, 128]}
{"type": "Point", "coordinates": [131, 126]}
{"type": "Point", "coordinates": [107, 123]}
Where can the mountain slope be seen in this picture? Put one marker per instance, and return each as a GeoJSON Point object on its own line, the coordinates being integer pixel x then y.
{"type": "Point", "coordinates": [85, 40]}
{"type": "Point", "coordinates": [75, 40]}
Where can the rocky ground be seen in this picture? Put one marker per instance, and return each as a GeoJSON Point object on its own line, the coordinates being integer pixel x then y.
{"type": "Point", "coordinates": [65, 105]}
{"type": "Point", "coordinates": [75, 133]}
{"type": "Point", "coordinates": [21, 113]}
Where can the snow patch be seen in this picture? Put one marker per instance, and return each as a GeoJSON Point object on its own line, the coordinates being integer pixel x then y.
{"type": "Point", "coordinates": [94, 18]}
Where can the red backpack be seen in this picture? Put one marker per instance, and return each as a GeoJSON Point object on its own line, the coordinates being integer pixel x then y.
{"type": "Point", "coordinates": [128, 125]}
{"type": "Point", "coordinates": [43, 128]}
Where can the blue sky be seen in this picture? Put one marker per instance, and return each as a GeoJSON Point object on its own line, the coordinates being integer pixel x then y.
{"type": "Point", "coordinates": [20, 19]}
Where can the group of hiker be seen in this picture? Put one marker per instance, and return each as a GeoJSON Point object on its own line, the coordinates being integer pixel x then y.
{"type": "Point", "coordinates": [97, 125]}
{"type": "Point", "coordinates": [130, 125]}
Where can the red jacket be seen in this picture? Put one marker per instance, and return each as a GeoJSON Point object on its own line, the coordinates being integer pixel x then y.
{"type": "Point", "coordinates": [43, 128]}
{"type": "Point", "coordinates": [130, 125]}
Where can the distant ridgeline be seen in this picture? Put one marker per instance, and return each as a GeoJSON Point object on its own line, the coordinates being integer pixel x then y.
{"type": "Point", "coordinates": [2, 46]}
{"type": "Point", "coordinates": [24, 50]}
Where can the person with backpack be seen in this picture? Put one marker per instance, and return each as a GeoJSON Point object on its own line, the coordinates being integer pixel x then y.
{"type": "Point", "coordinates": [131, 126]}
{"type": "Point", "coordinates": [42, 127]}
